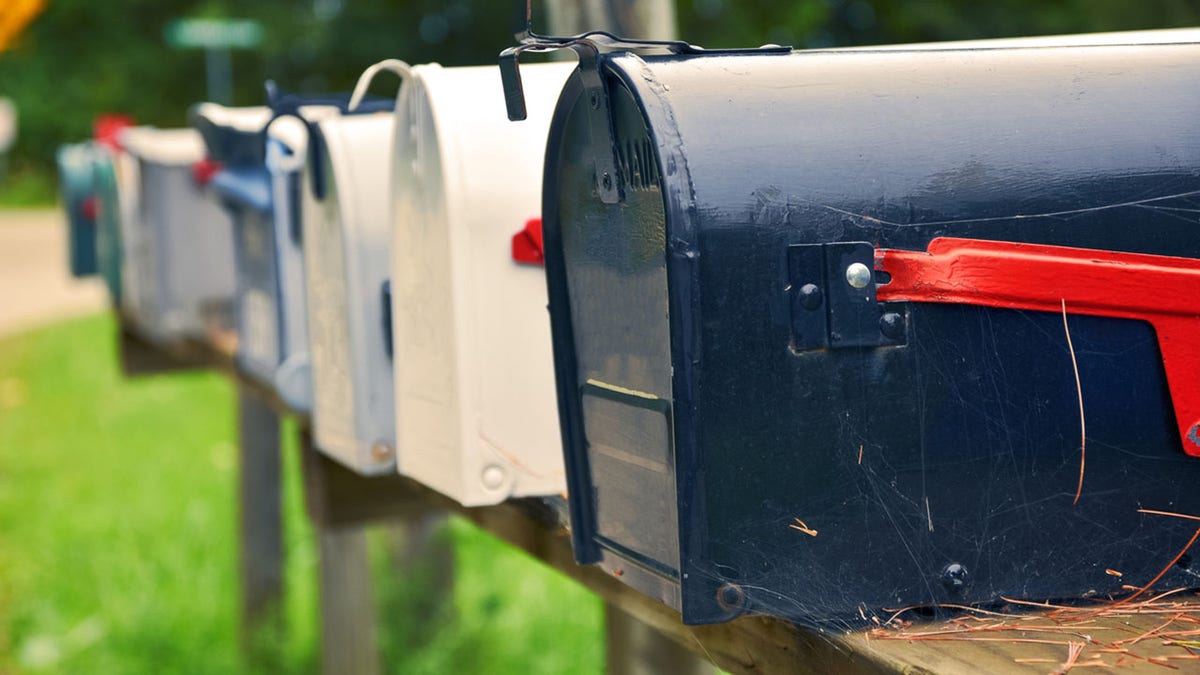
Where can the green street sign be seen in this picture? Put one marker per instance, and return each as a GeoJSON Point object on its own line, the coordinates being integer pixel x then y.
{"type": "Point", "coordinates": [214, 33]}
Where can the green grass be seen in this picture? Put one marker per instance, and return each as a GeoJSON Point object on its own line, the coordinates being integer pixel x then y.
{"type": "Point", "coordinates": [25, 186]}
{"type": "Point", "coordinates": [118, 549]}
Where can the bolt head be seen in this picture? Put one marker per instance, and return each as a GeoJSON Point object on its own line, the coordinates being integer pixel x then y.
{"type": "Point", "coordinates": [858, 275]}
{"type": "Point", "coordinates": [492, 477]}
{"type": "Point", "coordinates": [954, 578]}
{"type": "Point", "coordinates": [381, 451]}
{"type": "Point", "coordinates": [731, 597]}
{"type": "Point", "coordinates": [810, 296]}
{"type": "Point", "coordinates": [891, 324]}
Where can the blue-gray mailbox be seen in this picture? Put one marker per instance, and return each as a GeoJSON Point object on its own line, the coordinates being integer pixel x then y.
{"type": "Point", "coordinates": [257, 177]}
{"type": "Point", "coordinates": [77, 189]}
{"type": "Point", "coordinates": [823, 321]}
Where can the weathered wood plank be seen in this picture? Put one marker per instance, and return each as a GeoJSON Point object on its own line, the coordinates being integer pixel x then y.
{"type": "Point", "coordinates": [335, 495]}
{"type": "Point", "coordinates": [634, 648]}
{"type": "Point", "coordinates": [349, 644]}
{"type": "Point", "coordinates": [260, 535]}
{"type": "Point", "coordinates": [340, 502]}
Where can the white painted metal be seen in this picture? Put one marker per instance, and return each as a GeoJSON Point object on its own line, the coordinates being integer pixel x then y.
{"type": "Point", "coordinates": [178, 244]}
{"type": "Point", "coordinates": [1133, 38]}
{"type": "Point", "coordinates": [475, 404]}
{"type": "Point", "coordinates": [292, 201]}
{"type": "Point", "coordinates": [347, 257]}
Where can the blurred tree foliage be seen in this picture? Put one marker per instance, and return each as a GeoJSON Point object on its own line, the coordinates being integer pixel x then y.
{"type": "Point", "coordinates": [828, 23]}
{"type": "Point", "coordinates": [83, 57]}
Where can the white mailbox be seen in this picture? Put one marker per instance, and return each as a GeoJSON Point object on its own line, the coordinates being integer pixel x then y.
{"type": "Point", "coordinates": [347, 257]}
{"type": "Point", "coordinates": [476, 413]}
{"type": "Point", "coordinates": [177, 244]}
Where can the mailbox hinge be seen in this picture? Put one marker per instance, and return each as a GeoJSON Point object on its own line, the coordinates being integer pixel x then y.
{"type": "Point", "coordinates": [833, 300]}
{"type": "Point", "coordinates": [1161, 290]}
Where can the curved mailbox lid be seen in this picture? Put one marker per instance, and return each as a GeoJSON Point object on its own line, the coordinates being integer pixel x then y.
{"type": "Point", "coordinates": [232, 135]}
{"type": "Point", "coordinates": [170, 147]}
{"type": "Point", "coordinates": [474, 378]}
{"type": "Point", "coordinates": [1129, 37]}
{"type": "Point", "coordinates": [967, 423]}
{"type": "Point", "coordinates": [347, 260]}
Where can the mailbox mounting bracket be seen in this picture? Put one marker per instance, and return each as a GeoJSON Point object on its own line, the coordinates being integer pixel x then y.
{"type": "Point", "coordinates": [1161, 290]}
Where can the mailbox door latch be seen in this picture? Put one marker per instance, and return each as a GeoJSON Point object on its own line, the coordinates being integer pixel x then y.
{"type": "Point", "coordinates": [1161, 290]}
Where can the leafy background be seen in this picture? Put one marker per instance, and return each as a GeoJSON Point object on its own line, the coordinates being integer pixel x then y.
{"type": "Point", "coordinates": [82, 57]}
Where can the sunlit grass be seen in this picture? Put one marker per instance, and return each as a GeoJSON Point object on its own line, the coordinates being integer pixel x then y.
{"type": "Point", "coordinates": [24, 186]}
{"type": "Point", "coordinates": [118, 539]}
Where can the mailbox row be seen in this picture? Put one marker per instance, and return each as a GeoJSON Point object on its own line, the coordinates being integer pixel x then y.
{"type": "Point", "coordinates": [828, 331]}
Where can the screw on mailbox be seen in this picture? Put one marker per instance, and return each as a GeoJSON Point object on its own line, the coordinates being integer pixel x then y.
{"type": "Point", "coordinates": [810, 296]}
{"type": "Point", "coordinates": [381, 452]}
{"type": "Point", "coordinates": [891, 324]}
{"type": "Point", "coordinates": [731, 597]}
{"type": "Point", "coordinates": [858, 275]}
{"type": "Point", "coordinates": [954, 578]}
{"type": "Point", "coordinates": [492, 477]}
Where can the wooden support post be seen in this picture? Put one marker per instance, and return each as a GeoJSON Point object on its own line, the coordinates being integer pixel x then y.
{"type": "Point", "coordinates": [636, 648]}
{"type": "Point", "coordinates": [261, 534]}
{"type": "Point", "coordinates": [340, 503]}
{"type": "Point", "coordinates": [634, 19]}
{"type": "Point", "coordinates": [348, 638]}
{"type": "Point", "coordinates": [422, 557]}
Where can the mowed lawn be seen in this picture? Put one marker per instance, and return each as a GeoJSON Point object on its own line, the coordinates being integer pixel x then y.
{"type": "Point", "coordinates": [118, 540]}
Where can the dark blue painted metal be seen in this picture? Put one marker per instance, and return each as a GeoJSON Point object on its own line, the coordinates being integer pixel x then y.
{"type": "Point", "coordinates": [77, 187]}
{"type": "Point", "coordinates": [696, 431]}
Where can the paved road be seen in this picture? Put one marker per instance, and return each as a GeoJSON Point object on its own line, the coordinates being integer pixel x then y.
{"type": "Point", "coordinates": [35, 286]}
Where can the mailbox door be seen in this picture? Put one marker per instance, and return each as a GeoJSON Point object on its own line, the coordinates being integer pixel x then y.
{"type": "Point", "coordinates": [474, 379]}
{"type": "Point", "coordinates": [607, 271]}
{"type": "Point", "coordinates": [347, 256]}
{"type": "Point", "coordinates": [292, 201]}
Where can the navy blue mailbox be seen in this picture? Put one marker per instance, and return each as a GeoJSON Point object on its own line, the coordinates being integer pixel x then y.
{"type": "Point", "coordinates": [843, 331]}
{"type": "Point", "coordinates": [77, 189]}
